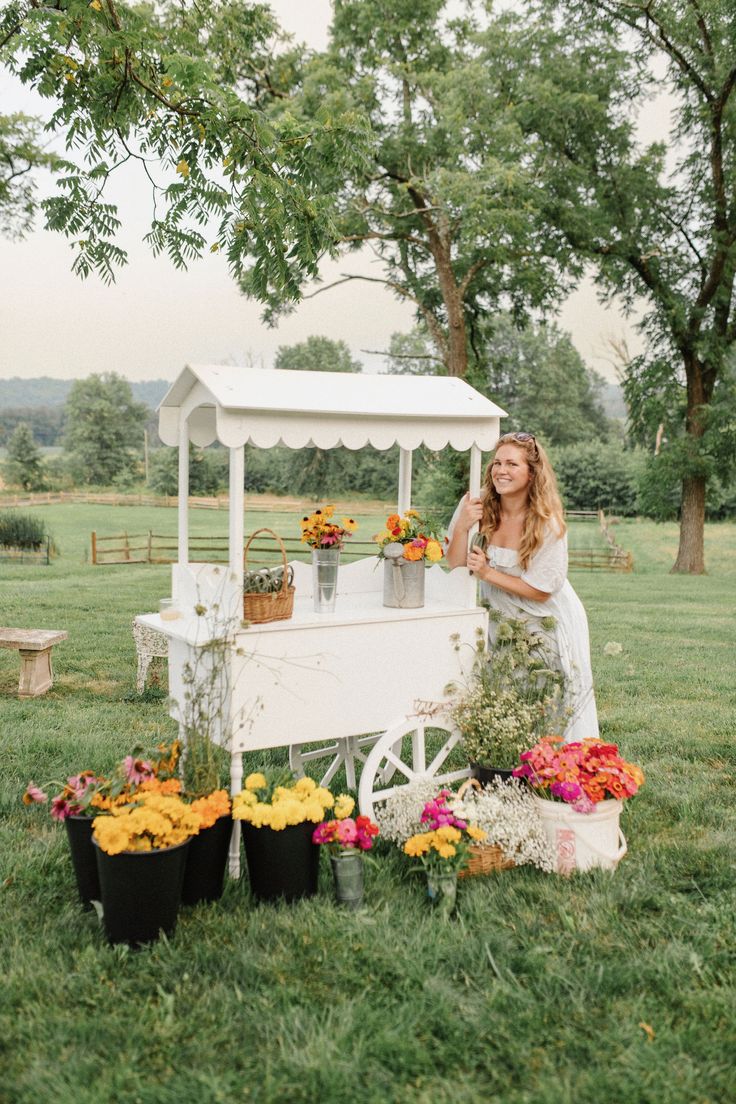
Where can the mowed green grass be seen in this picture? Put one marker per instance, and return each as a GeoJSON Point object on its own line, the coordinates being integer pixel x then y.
{"type": "Point", "coordinates": [602, 988]}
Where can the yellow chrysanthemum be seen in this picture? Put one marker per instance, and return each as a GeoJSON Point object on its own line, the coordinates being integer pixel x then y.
{"type": "Point", "coordinates": [447, 834]}
{"type": "Point", "coordinates": [445, 850]}
{"type": "Point", "coordinates": [344, 806]}
{"type": "Point", "coordinates": [433, 551]}
{"type": "Point", "coordinates": [256, 781]}
{"type": "Point", "coordinates": [418, 845]}
{"type": "Point", "coordinates": [305, 785]}
{"type": "Point", "coordinates": [476, 833]}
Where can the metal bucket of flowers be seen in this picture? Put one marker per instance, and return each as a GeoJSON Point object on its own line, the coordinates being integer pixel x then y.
{"type": "Point", "coordinates": [407, 545]}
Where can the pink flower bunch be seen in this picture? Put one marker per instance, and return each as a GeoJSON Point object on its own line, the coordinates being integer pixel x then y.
{"type": "Point", "coordinates": [581, 774]}
{"type": "Point", "coordinates": [73, 799]}
{"type": "Point", "coordinates": [137, 770]}
{"type": "Point", "coordinates": [437, 814]}
{"type": "Point", "coordinates": [346, 834]}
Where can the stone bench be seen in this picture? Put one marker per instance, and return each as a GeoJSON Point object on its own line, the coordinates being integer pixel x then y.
{"type": "Point", "coordinates": [34, 645]}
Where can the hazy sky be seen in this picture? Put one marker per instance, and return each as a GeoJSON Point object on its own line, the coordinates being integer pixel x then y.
{"type": "Point", "coordinates": [155, 319]}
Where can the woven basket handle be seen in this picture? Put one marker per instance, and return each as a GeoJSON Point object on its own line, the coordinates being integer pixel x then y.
{"type": "Point", "coordinates": [469, 784]}
{"type": "Point", "coordinates": [282, 548]}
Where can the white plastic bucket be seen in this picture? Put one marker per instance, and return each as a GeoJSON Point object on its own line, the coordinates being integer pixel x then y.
{"type": "Point", "coordinates": [583, 840]}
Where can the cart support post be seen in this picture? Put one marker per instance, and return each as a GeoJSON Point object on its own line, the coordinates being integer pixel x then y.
{"type": "Point", "coordinates": [237, 496]}
{"type": "Point", "coordinates": [405, 458]}
{"type": "Point", "coordinates": [183, 554]}
{"type": "Point", "coordinates": [474, 488]}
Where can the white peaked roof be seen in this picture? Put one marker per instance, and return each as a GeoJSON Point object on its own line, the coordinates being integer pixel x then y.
{"type": "Point", "coordinates": [266, 407]}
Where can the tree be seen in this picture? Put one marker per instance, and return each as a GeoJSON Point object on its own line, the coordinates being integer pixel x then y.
{"type": "Point", "coordinates": [24, 464]}
{"type": "Point", "coordinates": [21, 153]}
{"type": "Point", "coordinates": [178, 88]}
{"type": "Point", "coordinates": [104, 429]}
{"type": "Point", "coordinates": [445, 201]}
{"type": "Point", "coordinates": [535, 373]}
{"type": "Point", "coordinates": [317, 354]}
{"type": "Point", "coordinates": [658, 223]}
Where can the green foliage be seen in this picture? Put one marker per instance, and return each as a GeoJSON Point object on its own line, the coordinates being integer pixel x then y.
{"type": "Point", "coordinates": [596, 475]}
{"type": "Point", "coordinates": [24, 464]}
{"type": "Point", "coordinates": [104, 430]}
{"type": "Point", "coordinates": [317, 354]}
{"type": "Point", "coordinates": [208, 471]}
{"type": "Point", "coordinates": [535, 374]}
{"type": "Point", "coordinates": [181, 88]}
{"type": "Point", "coordinates": [512, 697]}
{"type": "Point", "coordinates": [46, 423]}
{"type": "Point", "coordinates": [658, 222]}
{"type": "Point", "coordinates": [21, 154]}
{"type": "Point", "coordinates": [445, 200]}
{"type": "Point", "coordinates": [21, 530]}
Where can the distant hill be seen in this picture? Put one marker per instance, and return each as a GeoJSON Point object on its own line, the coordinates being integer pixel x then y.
{"type": "Point", "coordinates": [45, 391]}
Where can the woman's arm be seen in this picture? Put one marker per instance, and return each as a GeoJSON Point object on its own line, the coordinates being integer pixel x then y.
{"type": "Point", "coordinates": [469, 513]}
{"type": "Point", "coordinates": [480, 567]}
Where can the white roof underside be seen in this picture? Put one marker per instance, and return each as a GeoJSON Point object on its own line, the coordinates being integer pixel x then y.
{"type": "Point", "coordinates": [263, 407]}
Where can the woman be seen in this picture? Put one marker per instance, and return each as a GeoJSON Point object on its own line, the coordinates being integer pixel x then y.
{"type": "Point", "coordinates": [523, 570]}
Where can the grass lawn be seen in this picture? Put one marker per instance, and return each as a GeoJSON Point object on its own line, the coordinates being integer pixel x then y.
{"type": "Point", "coordinates": [601, 989]}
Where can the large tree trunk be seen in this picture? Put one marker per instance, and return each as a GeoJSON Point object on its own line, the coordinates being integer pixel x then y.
{"type": "Point", "coordinates": [690, 554]}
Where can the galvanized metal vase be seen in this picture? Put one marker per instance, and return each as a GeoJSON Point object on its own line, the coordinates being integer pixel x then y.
{"type": "Point", "coordinates": [325, 565]}
{"type": "Point", "coordinates": [347, 870]}
{"type": "Point", "coordinates": [403, 582]}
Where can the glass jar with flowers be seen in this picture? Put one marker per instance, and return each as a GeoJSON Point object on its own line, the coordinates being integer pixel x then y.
{"type": "Point", "coordinates": [278, 817]}
{"type": "Point", "coordinates": [407, 544]}
{"type": "Point", "coordinates": [326, 538]}
{"type": "Point", "coordinates": [141, 858]}
{"type": "Point", "coordinates": [443, 849]}
{"type": "Point", "coordinates": [347, 840]}
{"type": "Point", "coordinates": [580, 789]}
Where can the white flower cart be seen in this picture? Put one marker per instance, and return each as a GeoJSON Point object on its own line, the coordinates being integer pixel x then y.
{"type": "Point", "coordinates": [365, 684]}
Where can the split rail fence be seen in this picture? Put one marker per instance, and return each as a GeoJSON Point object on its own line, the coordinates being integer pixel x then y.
{"type": "Point", "coordinates": [159, 548]}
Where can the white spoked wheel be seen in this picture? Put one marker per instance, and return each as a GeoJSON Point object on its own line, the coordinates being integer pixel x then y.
{"type": "Point", "coordinates": [404, 754]}
{"type": "Point", "coordinates": [348, 751]}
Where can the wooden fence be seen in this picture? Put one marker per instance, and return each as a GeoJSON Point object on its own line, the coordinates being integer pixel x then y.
{"type": "Point", "coordinates": [159, 548]}
{"type": "Point", "coordinates": [27, 555]}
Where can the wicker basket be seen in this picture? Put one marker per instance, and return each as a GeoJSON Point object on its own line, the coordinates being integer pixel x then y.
{"type": "Point", "coordinates": [484, 857]}
{"type": "Point", "coordinates": [278, 606]}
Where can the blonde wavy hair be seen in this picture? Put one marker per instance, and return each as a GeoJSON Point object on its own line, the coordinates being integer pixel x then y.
{"type": "Point", "coordinates": [545, 506]}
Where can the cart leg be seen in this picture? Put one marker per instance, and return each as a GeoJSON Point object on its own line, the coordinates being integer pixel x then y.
{"type": "Point", "coordinates": [236, 785]}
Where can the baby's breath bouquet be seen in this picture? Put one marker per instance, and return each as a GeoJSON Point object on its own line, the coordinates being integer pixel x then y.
{"type": "Point", "coordinates": [278, 802]}
{"type": "Point", "coordinates": [512, 696]}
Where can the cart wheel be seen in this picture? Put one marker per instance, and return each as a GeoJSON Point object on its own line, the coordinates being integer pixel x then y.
{"type": "Point", "coordinates": [402, 753]}
{"type": "Point", "coordinates": [348, 751]}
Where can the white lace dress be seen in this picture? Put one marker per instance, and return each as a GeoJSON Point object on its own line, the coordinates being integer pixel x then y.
{"type": "Point", "coordinates": [547, 571]}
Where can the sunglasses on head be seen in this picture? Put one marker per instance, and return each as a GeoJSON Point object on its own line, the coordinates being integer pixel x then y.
{"type": "Point", "coordinates": [521, 436]}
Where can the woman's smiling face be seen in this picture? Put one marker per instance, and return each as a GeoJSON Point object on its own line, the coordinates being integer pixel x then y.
{"type": "Point", "coordinates": [510, 472]}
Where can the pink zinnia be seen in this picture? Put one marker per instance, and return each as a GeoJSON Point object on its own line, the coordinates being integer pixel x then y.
{"type": "Point", "coordinates": [346, 832]}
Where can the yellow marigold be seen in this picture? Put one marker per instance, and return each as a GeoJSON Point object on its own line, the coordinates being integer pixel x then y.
{"type": "Point", "coordinates": [278, 819]}
{"type": "Point", "coordinates": [212, 807]}
{"type": "Point", "coordinates": [161, 785]}
{"type": "Point", "coordinates": [324, 797]}
{"type": "Point", "coordinates": [313, 810]}
{"type": "Point", "coordinates": [444, 850]}
{"type": "Point", "coordinates": [255, 781]}
{"type": "Point", "coordinates": [305, 785]}
{"type": "Point", "coordinates": [344, 806]}
{"type": "Point", "coordinates": [419, 844]}
{"type": "Point", "coordinates": [476, 833]}
{"type": "Point", "coordinates": [413, 553]}
{"type": "Point", "coordinates": [433, 551]}
{"type": "Point", "coordinates": [447, 834]}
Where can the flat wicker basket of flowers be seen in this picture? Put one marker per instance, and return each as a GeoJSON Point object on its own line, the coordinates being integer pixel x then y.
{"type": "Point", "coordinates": [485, 858]}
